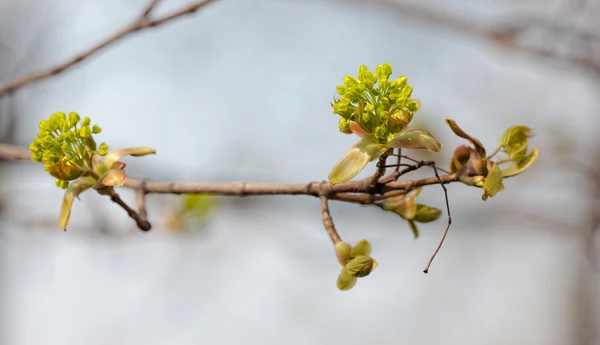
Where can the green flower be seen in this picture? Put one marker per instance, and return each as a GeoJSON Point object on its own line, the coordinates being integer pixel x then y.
{"type": "Point", "coordinates": [379, 112]}
{"type": "Point", "coordinates": [356, 263]}
{"type": "Point", "coordinates": [66, 146]}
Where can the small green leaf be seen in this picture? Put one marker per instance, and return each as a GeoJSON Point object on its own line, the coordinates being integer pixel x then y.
{"type": "Point", "coordinates": [426, 214]}
{"type": "Point", "coordinates": [403, 205]}
{"type": "Point", "coordinates": [415, 139]}
{"type": "Point", "coordinates": [522, 165]}
{"type": "Point", "coordinates": [354, 161]}
{"type": "Point", "coordinates": [413, 228]}
{"type": "Point", "coordinates": [515, 135]}
{"type": "Point", "coordinates": [361, 248]}
{"type": "Point", "coordinates": [72, 192]}
{"type": "Point", "coordinates": [493, 181]}
{"type": "Point", "coordinates": [458, 131]}
{"type": "Point", "coordinates": [345, 280]}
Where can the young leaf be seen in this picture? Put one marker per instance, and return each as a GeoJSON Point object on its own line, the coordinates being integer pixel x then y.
{"type": "Point", "coordinates": [515, 135]}
{"type": "Point", "coordinates": [365, 151]}
{"type": "Point", "coordinates": [493, 181]}
{"type": "Point", "coordinates": [458, 131]}
{"type": "Point", "coordinates": [114, 156]}
{"type": "Point", "coordinates": [75, 188]}
{"type": "Point", "coordinates": [426, 214]}
{"type": "Point", "coordinates": [522, 165]}
{"type": "Point", "coordinates": [415, 139]}
{"type": "Point", "coordinates": [403, 205]}
{"type": "Point", "coordinates": [413, 228]}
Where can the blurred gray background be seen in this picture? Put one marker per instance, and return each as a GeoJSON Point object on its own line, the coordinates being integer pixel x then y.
{"type": "Point", "coordinates": [240, 90]}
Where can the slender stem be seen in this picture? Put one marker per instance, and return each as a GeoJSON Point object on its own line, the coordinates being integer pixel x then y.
{"type": "Point", "coordinates": [143, 224]}
{"type": "Point", "coordinates": [328, 221]}
{"type": "Point", "coordinates": [439, 246]}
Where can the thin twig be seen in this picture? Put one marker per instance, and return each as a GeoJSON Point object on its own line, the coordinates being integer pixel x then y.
{"type": "Point", "coordinates": [328, 221]}
{"type": "Point", "coordinates": [149, 8]}
{"type": "Point", "coordinates": [143, 224]}
{"type": "Point", "coordinates": [417, 161]}
{"type": "Point", "coordinates": [380, 170]}
{"type": "Point", "coordinates": [141, 201]}
{"type": "Point", "coordinates": [426, 270]}
{"type": "Point", "coordinates": [398, 163]}
{"type": "Point", "coordinates": [140, 23]}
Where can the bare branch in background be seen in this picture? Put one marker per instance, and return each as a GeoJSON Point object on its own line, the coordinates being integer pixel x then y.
{"type": "Point", "coordinates": [142, 22]}
{"type": "Point", "coordinates": [509, 34]}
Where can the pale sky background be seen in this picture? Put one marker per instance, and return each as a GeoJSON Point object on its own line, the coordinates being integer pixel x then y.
{"type": "Point", "coordinates": [241, 91]}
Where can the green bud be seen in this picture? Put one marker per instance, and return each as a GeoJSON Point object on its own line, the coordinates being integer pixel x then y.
{"type": "Point", "coordinates": [361, 248]}
{"type": "Point", "coordinates": [344, 125]}
{"type": "Point", "coordinates": [366, 77]}
{"type": "Point", "coordinates": [103, 149]}
{"type": "Point", "coordinates": [349, 81]}
{"type": "Point", "coordinates": [34, 148]}
{"type": "Point", "coordinates": [341, 108]}
{"type": "Point", "coordinates": [358, 89]}
{"type": "Point", "coordinates": [62, 184]}
{"type": "Point", "coordinates": [381, 132]}
{"type": "Point", "coordinates": [47, 142]}
{"type": "Point", "coordinates": [54, 122]}
{"type": "Point", "coordinates": [413, 105]}
{"type": "Point", "coordinates": [86, 121]}
{"type": "Point", "coordinates": [342, 252]}
{"type": "Point", "coordinates": [366, 116]}
{"type": "Point", "coordinates": [85, 132]}
{"type": "Point", "coordinates": [361, 266]}
{"type": "Point", "coordinates": [384, 102]}
{"type": "Point", "coordinates": [383, 71]}
{"type": "Point", "coordinates": [345, 280]}
{"type": "Point", "coordinates": [36, 157]}
{"type": "Point", "coordinates": [96, 129]}
{"type": "Point", "coordinates": [369, 107]}
{"type": "Point", "coordinates": [401, 81]}
{"type": "Point", "coordinates": [43, 125]}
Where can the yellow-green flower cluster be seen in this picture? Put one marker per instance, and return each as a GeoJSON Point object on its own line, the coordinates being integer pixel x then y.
{"type": "Point", "coordinates": [65, 145]}
{"type": "Point", "coordinates": [379, 106]}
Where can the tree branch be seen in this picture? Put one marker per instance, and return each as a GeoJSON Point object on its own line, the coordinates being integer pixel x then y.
{"type": "Point", "coordinates": [359, 191]}
{"type": "Point", "coordinates": [508, 34]}
{"type": "Point", "coordinates": [328, 221]}
{"type": "Point", "coordinates": [142, 22]}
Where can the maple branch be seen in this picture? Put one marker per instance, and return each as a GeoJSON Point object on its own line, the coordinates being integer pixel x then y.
{"type": "Point", "coordinates": [142, 22]}
{"type": "Point", "coordinates": [359, 191]}
{"type": "Point", "coordinates": [328, 221]}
